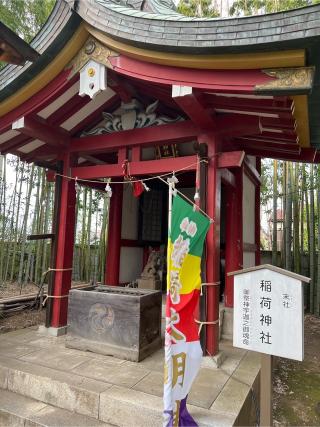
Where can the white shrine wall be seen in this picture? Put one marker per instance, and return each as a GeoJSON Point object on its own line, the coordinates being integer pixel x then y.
{"type": "Point", "coordinates": [248, 215]}
{"type": "Point", "coordinates": [131, 258]}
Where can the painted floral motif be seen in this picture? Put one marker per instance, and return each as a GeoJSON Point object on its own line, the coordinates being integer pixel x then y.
{"type": "Point", "coordinates": [180, 251]}
{"type": "Point", "coordinates": [189, 227]}
{"type": "Point", "coordinates": [175, 286]}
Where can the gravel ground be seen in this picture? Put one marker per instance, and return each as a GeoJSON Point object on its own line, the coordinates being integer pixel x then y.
{"type": "Point", "coordinates": [297, 384]}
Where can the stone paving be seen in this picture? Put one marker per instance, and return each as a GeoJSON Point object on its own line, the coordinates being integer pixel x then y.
{"type": "Point", "coordinates": [116, 391]}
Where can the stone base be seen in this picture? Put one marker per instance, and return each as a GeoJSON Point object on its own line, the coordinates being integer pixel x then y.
{"type": "Point", "coordinates": [213, 361]}
{"type": "Point", "coordinates": [53, 332]}
{"type": "Point", "coordinates": [149, 283]}
{"type": "Point", "coordinates": [227, 324]}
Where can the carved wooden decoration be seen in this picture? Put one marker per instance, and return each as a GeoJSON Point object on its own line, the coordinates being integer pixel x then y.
{"type": "Point", "coordinates": [131, 115]}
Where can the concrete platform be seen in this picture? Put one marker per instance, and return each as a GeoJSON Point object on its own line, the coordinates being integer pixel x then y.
{"type": "Point", "coordinates": [113, 391]}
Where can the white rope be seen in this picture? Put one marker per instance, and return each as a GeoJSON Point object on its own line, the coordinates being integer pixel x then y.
{"type": "Point", "coordinates": [215, 322]}
{"type": "Point", "coordinates": [160, 177]}
{"type": "Point", "coordinates": [208, 284]}
{"type": "Point", "coordinates": [56, 269]}
{"type": "Point", "coordinates": [53, 296]}
{"type": "Point", "coordinates": [190, 201]}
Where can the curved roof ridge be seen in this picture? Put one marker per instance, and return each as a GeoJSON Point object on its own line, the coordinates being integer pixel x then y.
{"type": "Point", "coordinates": [51, 38]}
{"type": "Point", "coordinates": [163, 11]}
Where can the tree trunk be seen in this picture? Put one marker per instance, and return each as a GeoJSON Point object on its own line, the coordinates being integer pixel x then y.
{"type": "Point", "coordinates": [274, 214]}
{"type": "Point", "coordinates": [13, 263]}
{"type": "Point", "coordinates": [295, 201]}
{"type": "Point", "coordinates": [312, 240]}
{"type": "Point", "coordinates": [25, 226]}
{"type": "Point", "coordinates": [11, 235]}
{"type": "Point", "coordinates": [317, 308]}
{"type": "Point", "coordinates": [288, 218]}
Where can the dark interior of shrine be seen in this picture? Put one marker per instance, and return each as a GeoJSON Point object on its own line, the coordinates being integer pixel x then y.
{"type": "Point", "coordinates": [153, 221]}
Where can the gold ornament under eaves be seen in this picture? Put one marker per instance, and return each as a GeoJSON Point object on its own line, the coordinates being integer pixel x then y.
{"type": "Point", "coordinates": [288, 80]}
{"type": "Point", "coordinates": [92, 49]}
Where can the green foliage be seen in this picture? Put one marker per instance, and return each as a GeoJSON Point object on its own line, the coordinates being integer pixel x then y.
{"type": "Point", "coordinates": [254, 7]}
{"type": "Point", "coordinates": [25, 17]}
{"type": "Point", "coordinates": [245, 7]}
{"type": "Point", "coordinates": [199, 8]}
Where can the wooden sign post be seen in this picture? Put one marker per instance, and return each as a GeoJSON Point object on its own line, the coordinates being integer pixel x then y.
{"type": "Point", "coordinates": [268, 318]}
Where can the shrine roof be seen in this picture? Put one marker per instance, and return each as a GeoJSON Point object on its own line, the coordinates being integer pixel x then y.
{"type": "Point", "coordinates": [13, 49]}
{"type": "Point", "coordinates": [149, 42]}
{"type": "Point", "coordinates": [166, 29]}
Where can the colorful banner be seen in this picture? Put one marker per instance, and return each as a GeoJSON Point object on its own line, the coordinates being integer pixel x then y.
{"type": "Point", "coordinates": [182, 346]}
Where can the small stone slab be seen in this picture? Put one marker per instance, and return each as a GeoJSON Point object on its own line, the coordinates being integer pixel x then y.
{"type": "Point", "coordinates": [206, 387]}
{"type": "Point", "coordinates": [151, 384]}
{"type": "Point", "coordinates": [56, 358]}
{"type": "Point", "coordinates": [122, 375]}
{"type": "Point", "coordinates": [152, 363]}
{"type": "Point", "coordinates": [127, 407]}
{"type": "Point", "coordinates": [231, 399]}
{"type": "Point", "coordinates": [56, 417]}
{"type": "Point", "coordinates": [15, 350]}
{"type": "Point", "coordinates": [209, 418]}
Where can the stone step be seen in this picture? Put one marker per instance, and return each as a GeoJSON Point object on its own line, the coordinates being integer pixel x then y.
{"type": "Point", "coordinates": [60, 389]}
{"type": "Point", "coordinates": [17, 410]}
{"type": "Point", "coordinates": [55, 393]}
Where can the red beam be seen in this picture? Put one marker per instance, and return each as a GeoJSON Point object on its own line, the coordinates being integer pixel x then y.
{"type": "Point", "coordinates": [277, 136]}
{"type": "Point", "coordinates": [273, 106]}
{"type": "Point", "coordinates": [148, 167]}
{"type": "Point", "coordinates": [266, 145]}
{"type": "Point", "coordinates": [14, 143]}
{"type": "Point", "coordinates": [235, 125]}
{"type": "Point", "coordinates": [42, 152]}
{"type": "Point", "coordinates": [230, 159]}
{"type": "Point", "coordinates": [306, 154]}
{"type": "Point", "coordinates": [277, 123]}
{"type": "Point", "coordinates": [38, 129]}
{"type": "Point", "coordinates": [162, 134]}
{"type": "Point", "coordinates": [234, 81]}
{"type": "Point", "coordinates": [192, 104]}
{"type": "Point", "coordinates": [41, 99]}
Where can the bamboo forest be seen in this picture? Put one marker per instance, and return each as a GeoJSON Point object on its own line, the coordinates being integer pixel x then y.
{"type": "Point", "coordinates": [27, 208]}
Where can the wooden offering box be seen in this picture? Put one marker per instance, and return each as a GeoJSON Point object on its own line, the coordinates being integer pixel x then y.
{"type": "Point", "coordinates": [120, 322]}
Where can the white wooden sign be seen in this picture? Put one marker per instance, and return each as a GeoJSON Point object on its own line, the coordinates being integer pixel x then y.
{"type": "Point", "coordinates": [268, 311]}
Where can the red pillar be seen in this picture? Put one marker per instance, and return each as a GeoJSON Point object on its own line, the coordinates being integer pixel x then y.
{"type": "Point", "coordinates": [234, 241]}
{"type": "Point", "coordinates": [114, 236]}
{"type": "Point", "coordinates": [257, 214]}
{"type": "Point", "coordinates": [65, 243]}
{"type": "Point", "coordinates": [213, 246]}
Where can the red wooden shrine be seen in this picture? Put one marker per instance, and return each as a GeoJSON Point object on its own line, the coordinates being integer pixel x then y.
{"type": "Point", "coordinates": [158, 110]}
